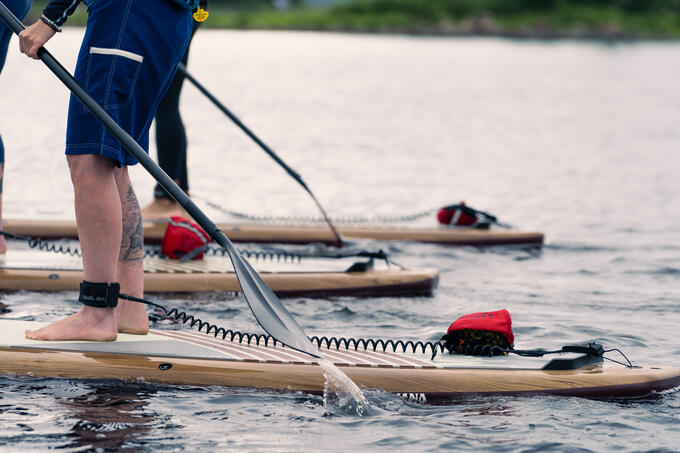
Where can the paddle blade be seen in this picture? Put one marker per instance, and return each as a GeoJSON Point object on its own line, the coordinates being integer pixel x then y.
{"type": "Point", "coordinates": [265, 305]}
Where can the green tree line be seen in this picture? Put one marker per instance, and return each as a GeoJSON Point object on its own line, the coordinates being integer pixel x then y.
{"type": "Point", "coordinates": [530, 18]}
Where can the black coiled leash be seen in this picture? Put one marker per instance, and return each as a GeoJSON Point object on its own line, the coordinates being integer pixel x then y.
{"type": "Point", "coordinates": [41, 244]}
{"type": "Point", "coordinates": [405, 346]}
{"type": "Point", "coordinates": [266, 340]}
{"type": "Point", "coordinates": [270, 254]}
{"type": "Point", "coordinates": [48, 246]}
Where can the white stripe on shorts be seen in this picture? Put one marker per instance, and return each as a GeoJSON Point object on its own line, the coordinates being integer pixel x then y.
{"type": "Point", "coordinates": [121, 53]}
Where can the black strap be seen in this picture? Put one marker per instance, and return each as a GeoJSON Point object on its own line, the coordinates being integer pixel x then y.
{"type": "Point", "coordinates": [472, 212]}
{"type": "Point", "coordinates": [193, 253]}
{"type": "Point", "coordinates": [484, 218]}
{"type": "Point", "coordinates": [102, 295]}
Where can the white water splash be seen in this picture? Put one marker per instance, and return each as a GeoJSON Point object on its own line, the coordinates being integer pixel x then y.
{"type": "Point", "coordinates": [340, 393]}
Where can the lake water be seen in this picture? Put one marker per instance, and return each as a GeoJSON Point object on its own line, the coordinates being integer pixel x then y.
{"type": "Point", "coordinates": [579, 140]}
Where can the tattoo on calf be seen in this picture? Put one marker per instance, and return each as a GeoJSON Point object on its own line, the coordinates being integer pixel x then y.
{"type": "Point", "coordinates": [132, 245]}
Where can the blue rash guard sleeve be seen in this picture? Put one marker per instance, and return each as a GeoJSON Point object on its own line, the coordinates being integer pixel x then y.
{"type": "Point", "coordinates": [58, 10]}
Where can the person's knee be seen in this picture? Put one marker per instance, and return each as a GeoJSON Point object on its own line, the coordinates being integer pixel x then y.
{"type": "Point", "coordinates": [87, 169]}
{"type": "Point", "coordinates": [122, 176]}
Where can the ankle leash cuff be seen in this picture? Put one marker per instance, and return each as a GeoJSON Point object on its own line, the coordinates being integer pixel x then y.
{"type": "Point", "coordinates": [102, 295]}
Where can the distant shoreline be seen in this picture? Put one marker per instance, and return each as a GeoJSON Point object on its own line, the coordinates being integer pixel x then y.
{"type": "Point", "coordinates": [586, 25]}
{"type": "Point", "coordinates": [464, 32]}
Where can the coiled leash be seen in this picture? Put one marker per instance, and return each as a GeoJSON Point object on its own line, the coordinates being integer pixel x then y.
{"type": "Point", "coordinates": [264, 339]}
{"type": "Point", "coordinates": [43, 245]}
{"type": "Point", "coordinates": [459, 214]}
{"type": "Point", "coordinates": [188, 245]}
{"type": "Point", "coordinates": [49, 246]}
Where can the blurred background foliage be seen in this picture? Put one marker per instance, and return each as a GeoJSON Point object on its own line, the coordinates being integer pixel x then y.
{"type": "Point", "coordinates": [528, 18]}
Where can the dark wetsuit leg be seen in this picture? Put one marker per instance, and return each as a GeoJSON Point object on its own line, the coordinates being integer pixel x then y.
{"type": "Point", "coordinates": [171, 139]}
{"type": "Point", "coordinates": [19, 8]}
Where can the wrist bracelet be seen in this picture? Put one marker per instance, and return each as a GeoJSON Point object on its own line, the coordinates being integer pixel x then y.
{"type": "Point", "coordinates": [50, 23]}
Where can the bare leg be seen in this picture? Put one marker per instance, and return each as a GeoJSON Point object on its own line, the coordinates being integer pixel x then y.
{"type": "Point", "coordinates": [3, 242]}
{"type": "Point", "coordinates": [130, 316]}
{"type": "Point", "coordinates": [99, 219]}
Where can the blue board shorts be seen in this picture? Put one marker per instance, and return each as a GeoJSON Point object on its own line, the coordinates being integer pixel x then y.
{"type": "Point", "coordinates": [127, 60]}
{"type": "Point", "coordinates": [19, 8]}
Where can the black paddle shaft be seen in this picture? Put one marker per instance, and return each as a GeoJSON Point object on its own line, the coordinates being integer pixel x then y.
{"type": "Point", "coordinates": [183, 70]}
{"type": "Point", "coordinates": [267, 308]}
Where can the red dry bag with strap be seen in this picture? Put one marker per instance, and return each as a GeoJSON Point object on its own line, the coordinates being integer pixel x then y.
{"type": "Point", "coordinates": [462, 215]}
{"type": "Point", "coordinates": [184, 238]}
{"type": "Point", "coordinates": [478, 333]}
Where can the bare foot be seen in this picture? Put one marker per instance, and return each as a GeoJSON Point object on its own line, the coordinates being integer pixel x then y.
{"type": "Point", "coordinates": [132, 318]}
{"type": "Point", "coordinates": [162, 209]}
{"type": "Point", "coordinates": [90, 323]}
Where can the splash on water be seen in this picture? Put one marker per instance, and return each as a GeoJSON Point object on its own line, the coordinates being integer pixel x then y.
{"type": "Point", "coordinates": [340, 393]}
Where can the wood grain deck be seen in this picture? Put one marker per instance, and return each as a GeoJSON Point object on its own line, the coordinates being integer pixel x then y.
{"type": "Point", "coordinates": [44, 271]}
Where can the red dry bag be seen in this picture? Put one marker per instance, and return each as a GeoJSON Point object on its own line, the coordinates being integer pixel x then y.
{"type": "Point", "coordinates": [478, 333]}
{"type": "Point", "coordinates": [184, 239]}
{"type": "Point", "coordinates": [462, 215]}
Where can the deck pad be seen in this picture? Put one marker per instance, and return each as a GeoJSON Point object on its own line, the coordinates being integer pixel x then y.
{"type": "Point", "coordinates": [191, 344]}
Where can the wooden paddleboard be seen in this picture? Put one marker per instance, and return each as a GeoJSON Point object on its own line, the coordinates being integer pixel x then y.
{"type": "Point", "coordinates": [304, 234]}
{"type": "Point", "coordinates": [186, 357]}
{"type": "Point", "coordinates": [46, 271]}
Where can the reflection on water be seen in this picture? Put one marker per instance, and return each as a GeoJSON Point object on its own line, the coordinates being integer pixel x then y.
{"type": "Point", "coordinates": [110, 417]}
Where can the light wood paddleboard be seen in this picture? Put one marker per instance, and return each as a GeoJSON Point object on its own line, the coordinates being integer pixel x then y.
{"type": "Point", "coordinates": [44, 271]}
{"type": "Point", "coordinates": [304, 234]}
{"type": "Point", "coordinates": [186, 357]}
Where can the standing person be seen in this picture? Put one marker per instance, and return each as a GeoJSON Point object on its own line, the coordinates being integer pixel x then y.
{"type": "Point", "coordinates": [19, 8]}
{"type": "Point", "coordinates": [171, 145]}
{"type": "Point", "coordinates": [127, 59]}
